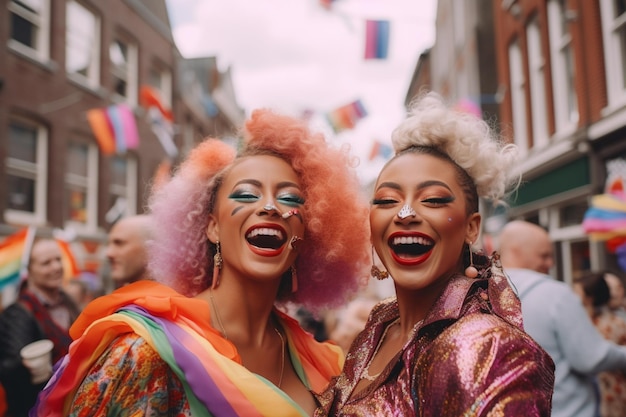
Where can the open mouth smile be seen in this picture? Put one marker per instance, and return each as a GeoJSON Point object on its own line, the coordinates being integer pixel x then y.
{"type": "Point", "coordinates": [266, 239]}
{"type": "Point", "coordinates": [410, 248]}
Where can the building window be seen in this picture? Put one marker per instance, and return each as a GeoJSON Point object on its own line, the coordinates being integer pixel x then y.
{"type": "Point", "coordinates": [518, 97]}
{"type": "Point", "coordinates": [30, 27]}
{"type": "Point", "coordinates": [123, 189]}
{"type": "Point", "coordinates": [562, 57]}
{"type": "Point", "coordinates": [536, 66]}
{"type": "Point", "coordinates": [161, 80]}
{"type": "Point", "coordinates": [26, 164]}
{"type": "Point", "coordinates": [614, 35]}
{"type": "Point", "coordinates": [81, 186]}
{"type": "Point", "coordinates": [123, 56]}
{"type": "Point", "coordinates": [82, 47]}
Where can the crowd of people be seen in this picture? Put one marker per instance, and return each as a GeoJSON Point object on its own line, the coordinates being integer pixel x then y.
{"type": "Point", "coordinates": [251, 296]}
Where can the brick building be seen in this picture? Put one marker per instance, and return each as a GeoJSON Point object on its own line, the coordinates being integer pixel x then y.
{"type": "Point", "coordinates": [559, 68]}
{"type": "Point", "coordinates": [58, 60]}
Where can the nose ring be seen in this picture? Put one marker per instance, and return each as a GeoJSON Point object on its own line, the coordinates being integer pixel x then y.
{"type": "Point", "coordinates": [270, 207]}
{"type": "Point", "coordinates": [406, 211]}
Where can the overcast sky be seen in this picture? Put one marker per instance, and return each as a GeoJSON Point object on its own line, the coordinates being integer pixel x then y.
{"type": "Point", "coordinates": [293, 55]}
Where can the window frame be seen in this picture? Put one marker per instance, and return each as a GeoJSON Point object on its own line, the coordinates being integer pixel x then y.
{"type": "Point", "coordinates": [518, 97]}
{"type": "Point", "coordinates": [130, 75]}
{"type": "Point", "coordinates": [562, 57]}
{"type": "Point", "coordinates": [41, 52]}
{"type": "Point", "coordinates": [127, 192]}
{"type": "Point", "coordinates": [538, 99]}
{"type": "Point", "coordinates": [89, 183]}
{"type": "Point", "coordinates": [92, 79]}
{"type": "Point", "coordinates": [614, 53]}
{"type": "Point", "coordinates": [38, 170]}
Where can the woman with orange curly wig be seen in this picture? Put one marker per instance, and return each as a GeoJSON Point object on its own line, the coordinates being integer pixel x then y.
{"type": "Point", "coordinates": [235, 236]}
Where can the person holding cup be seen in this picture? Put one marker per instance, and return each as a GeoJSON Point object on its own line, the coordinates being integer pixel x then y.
{"type": "Point", "coordinates": [42, 314]}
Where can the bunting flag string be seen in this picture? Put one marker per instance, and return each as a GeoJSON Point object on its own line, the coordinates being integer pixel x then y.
{"type": "Point", "coordinates": [346, 117]}
{"type": "Point", "coordinates": [376, 39]}
{"type": "Point", "coordinates": [381, 150]}
{"type": "Point", "coordinates": [161, 119]}
{"type": "Point", "coordinates": [115, 128]}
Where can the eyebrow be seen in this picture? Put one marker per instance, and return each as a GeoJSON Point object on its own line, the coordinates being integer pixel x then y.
{"type": "Point", "coordinates": [257, 183]}
{"type": "Point", "coordinates": [420, 186]}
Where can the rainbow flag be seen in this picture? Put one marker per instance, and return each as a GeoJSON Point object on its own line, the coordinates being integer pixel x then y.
{"type": "Point", "coordinates": [70, 266]}
{"type": "Point", "coordinates": [380, 149]}
{"type": "Point", "coordinates": [346, 117]}
{"type": "Point", "coordinates": [376, 39]}
{"type": "Point", "coordinates": [115, 128]}
{"type": "Point", "coordinates": [12, 256]}
{"type": "Point", "coordinates": [15, 252]}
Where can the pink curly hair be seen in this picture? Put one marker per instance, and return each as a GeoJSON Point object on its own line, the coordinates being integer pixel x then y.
{"type": "Point", "coordinates": [333, 258]}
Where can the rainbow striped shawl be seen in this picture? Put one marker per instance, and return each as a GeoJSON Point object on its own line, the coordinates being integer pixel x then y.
{"type": "Point", "coordinates": [177, 327]}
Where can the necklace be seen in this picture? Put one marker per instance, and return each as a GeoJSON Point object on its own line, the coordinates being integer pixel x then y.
{"type": "Point", "coordinates": [280, 335]}
{"type": "Point", "coordinates": [366, 374]}
{"type": "Point", "coordinates": [282, 356]}
{"type": "Point", "coordinates": [217, 315]}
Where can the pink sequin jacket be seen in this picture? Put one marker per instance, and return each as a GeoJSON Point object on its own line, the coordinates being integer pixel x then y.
{"type": "Point", "coordinates": [469, 358]}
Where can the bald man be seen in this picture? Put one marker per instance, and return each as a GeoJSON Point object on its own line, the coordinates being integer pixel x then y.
{"type": "Point", "coordinates": [555, 317]}
{"type": "Point", "coordinates": [126, 249]}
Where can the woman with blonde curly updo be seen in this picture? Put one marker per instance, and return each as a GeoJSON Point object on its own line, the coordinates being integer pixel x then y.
{"type": "Point", "coordinates": [451, 342]}
{"type": "Point", "coordinates": [234, 237]}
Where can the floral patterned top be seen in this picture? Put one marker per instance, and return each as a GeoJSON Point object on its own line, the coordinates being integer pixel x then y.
{"type": "Point", "coordinates": [146, 350]}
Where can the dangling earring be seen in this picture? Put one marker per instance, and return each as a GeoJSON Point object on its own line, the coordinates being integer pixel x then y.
{"type": "Point", "coordinates": [217, 266]}
{"type": "Point", "coordinates": [376, 272]}
{"type": "Point", "coordinates": [471, 271]}
{"type": "Point", "coordinates": [294, 279]}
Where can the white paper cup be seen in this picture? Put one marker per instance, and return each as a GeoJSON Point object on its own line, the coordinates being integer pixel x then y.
{"type": "Point", "coordinates": [37, 357]}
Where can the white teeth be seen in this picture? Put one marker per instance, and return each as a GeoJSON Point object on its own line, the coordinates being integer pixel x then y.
{"type": "Point", "coordinates": [409, 240]}
{"type": "Point", "coordinates": [266, 231]}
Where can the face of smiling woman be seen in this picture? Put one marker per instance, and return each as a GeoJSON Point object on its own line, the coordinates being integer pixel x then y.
{"type": "Point", "coordinates": [254, 239]}
{"type": "Point", "coordinates": [421, 248]}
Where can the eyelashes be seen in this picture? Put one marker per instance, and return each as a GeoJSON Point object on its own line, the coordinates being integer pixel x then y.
{"type": "Point", "coordinates": [291, 200]}
{"type": "Point", "coordinates": [435, 201]}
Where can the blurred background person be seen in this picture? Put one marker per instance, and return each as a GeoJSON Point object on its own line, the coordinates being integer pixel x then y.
{"type": "Point", "coordinates": [554, 316]}
{"type": "Point", "coordinates": [596, 296]}
{"type": "Point", "coordinates": [126, 249]}
{"type": "Point", "coordinates": [42, 311]}
{"type": "Point", "coordinates": [616, 287]}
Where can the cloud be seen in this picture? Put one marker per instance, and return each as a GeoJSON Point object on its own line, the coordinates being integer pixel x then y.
{"type": "Point", "coordinates": [293, 55]}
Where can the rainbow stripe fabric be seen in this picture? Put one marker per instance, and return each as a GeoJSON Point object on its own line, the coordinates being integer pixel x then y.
{"type": "Point", "coordinates": [11, 250]}
{"type": "Point", "coordinates": [209, 367]}
{"type": "Point", "coordinates": [115, 128]}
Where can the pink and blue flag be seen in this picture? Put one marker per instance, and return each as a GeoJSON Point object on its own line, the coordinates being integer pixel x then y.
{"type": "Point", "coordinates": [376, 39]}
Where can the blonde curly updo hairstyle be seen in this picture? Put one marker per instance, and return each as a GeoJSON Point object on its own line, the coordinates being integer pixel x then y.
{"type": "Point", "coordinates": [467, 141]}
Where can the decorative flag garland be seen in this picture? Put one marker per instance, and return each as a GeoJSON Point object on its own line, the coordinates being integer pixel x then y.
{"type": "Point", "coordinates": [115, 128]}
{"type": "Point", "coordinates": [346, 117]}
{"type": "Point", "coordinates": [376, 39]}
{"type": "Point", "coordinates": [160, 118]}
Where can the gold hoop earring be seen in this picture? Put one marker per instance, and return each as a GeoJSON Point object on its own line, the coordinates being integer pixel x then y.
{"type": "Point", "coordinates": [376, 272]}
{"type": "Point", "coordinates": [471, 271]}
{"type": "Point", "coordinates": [217, 266]}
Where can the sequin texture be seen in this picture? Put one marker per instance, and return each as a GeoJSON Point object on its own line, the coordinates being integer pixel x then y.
{"type": "Point", "coordinates": [469, 358]}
